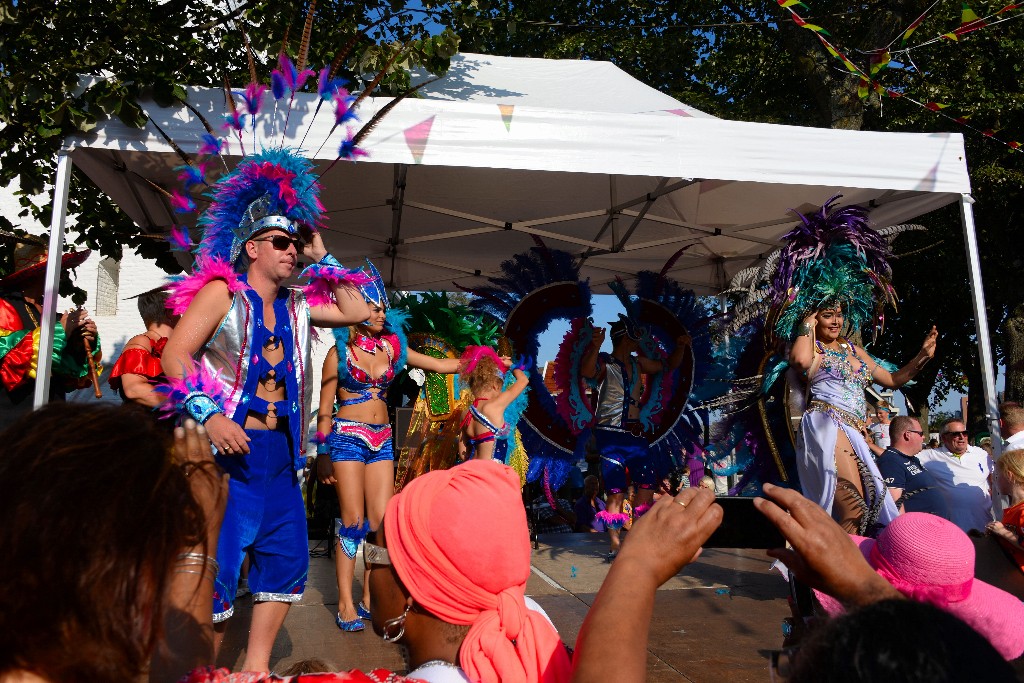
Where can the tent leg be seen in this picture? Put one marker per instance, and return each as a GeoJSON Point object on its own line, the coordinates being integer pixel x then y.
{"type": "Point", "coordinates": [48, 319]}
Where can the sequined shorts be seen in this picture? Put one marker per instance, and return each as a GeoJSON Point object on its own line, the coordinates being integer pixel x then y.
{"type": "Point", "coordinates": [360, 442]}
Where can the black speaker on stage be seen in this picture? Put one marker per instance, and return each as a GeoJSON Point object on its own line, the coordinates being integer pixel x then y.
{"type": "Point", "coordinates": [403, 416]}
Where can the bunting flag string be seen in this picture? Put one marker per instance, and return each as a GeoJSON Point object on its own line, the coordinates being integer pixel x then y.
{"type": "Point", "coordinates": [879, 60]}
{"type": "Point", "coordinates": [969, 22]}
{"type": "Point", "coordinates": [937, 108]}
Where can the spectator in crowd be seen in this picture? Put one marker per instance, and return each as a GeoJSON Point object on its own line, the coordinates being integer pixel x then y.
{"type": "Point", "coordinates": [588, 506]}
{"type": "Point", "coordinates": [1010, 482]}
{"type": "Point", "coordinates": [963, 473]}
{"type": "Point", "coordinates": [893, 640]}
{"type": "Point", "coordinates": [1011, 425]}
{"type": "Point", "coordinates": [137, 370]}
{"type": "Point", "coordinates": [912, 486]}
{"type": "Point", "coordinates": [614, 634]}
{"type": "Point", "coordinates": [928, 558]}
{"type": "Point", "coordinates": [880, 427]}
{"type": "Point", "coordinates": [557, 520]}
{"type": "Point", "coordinates": [93, 604]}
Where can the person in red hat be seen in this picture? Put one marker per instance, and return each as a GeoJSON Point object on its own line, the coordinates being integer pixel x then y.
{"type": "Point", "coordinates": [21, 300]}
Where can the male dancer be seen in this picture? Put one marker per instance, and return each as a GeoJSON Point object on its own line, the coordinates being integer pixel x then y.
{"type": "Point", "coordinates": [251, 391]}
{"type": "Point", "coordinates": [619, 434]}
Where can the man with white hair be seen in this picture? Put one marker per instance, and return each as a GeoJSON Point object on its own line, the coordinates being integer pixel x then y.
{"type": "Point", "coordinates": [964, 474]}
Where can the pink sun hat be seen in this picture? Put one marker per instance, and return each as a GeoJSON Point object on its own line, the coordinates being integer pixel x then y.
{"type": "Point", "coordinates": [930, 559]}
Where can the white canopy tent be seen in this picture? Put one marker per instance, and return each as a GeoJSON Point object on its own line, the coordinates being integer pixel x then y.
{"type": "Point", "coordinates": [575, 152]}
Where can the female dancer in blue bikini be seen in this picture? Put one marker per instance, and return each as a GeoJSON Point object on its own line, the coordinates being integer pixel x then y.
{"type": "Point", "coordinates": [355, 451]}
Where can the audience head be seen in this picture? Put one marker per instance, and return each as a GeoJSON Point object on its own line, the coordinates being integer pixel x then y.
{"type": "Point", "coordinates": [897, 640]}
{"type": "Point", "coordinates": [458, 550]}
{"type": "Point", "coordinates": [707, 482]}
{"type": "Point", "coordinates": [1010, 470]}
{"type": "Point", "coordinates": [153, 308]}
{"type": "Point", "coordinates": [930, 559]}
{"type": "Point", "coordinates": [1011, 418]}
{"type": "Point", "coordinates": [95, 514]}
{"type": "Point", "coordinates": [906, 434]}
{"type": "Point", "coordinates": [954, 436]}
{"type": "Point", "coordinates": [884, 411]}
{"type": "Point", "coordinates": [591, 486]}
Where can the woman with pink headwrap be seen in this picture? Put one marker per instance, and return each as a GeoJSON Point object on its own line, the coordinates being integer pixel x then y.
{"type": "Point", "coordinates": [457, 552]}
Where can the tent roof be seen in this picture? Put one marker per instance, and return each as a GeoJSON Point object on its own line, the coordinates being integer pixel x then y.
{"type": "Point", "coordinates": [577, 153]}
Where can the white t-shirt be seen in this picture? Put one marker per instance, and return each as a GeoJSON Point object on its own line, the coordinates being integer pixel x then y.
{"type": "Point", "coordinates": [442, 672]}
{"type": "Point", "coordinates": [965, 483]}
{"type": "Point", "coordinates": [1014, 442]}
{"type": "Point", "coordinates": [880, 435]}
{"type": "Point", "coordinates": [439, 672]}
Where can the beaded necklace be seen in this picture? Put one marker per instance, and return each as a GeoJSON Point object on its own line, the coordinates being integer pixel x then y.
{"type": "Point", "coordinates": [837, 362]}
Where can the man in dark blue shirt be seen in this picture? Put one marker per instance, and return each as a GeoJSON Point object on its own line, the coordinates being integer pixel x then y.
{"type": "Point", "coordinates": [912, 486]}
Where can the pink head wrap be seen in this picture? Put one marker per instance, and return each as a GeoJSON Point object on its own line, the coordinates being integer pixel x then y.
{"type": "Point", "coordinates": [459, 541]}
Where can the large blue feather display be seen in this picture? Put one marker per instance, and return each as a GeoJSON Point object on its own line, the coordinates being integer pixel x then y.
{"type": "Point", "coordinates": [536, 288]}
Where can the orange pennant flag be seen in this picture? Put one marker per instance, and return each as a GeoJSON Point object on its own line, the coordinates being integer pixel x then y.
{"type": "Point", "coordinates": [1013, 145]}
{"type": "Point", "coordinates": [790, 3]}
{"type": "Point", "coordinates": [935, 106]}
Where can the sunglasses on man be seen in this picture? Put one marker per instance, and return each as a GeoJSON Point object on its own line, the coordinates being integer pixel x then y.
{"type": "Point", "coordinates": [954, 434]}
{"type": "Point", "coordinates": [282, 242]}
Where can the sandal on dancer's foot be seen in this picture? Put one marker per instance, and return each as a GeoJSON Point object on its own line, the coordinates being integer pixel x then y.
{"type": "Point", "coordinates": [611, 556]}
{"type": "Point", "coordinates": [349, 626]}
{"type": "Point", "coordinates": [362, 611]}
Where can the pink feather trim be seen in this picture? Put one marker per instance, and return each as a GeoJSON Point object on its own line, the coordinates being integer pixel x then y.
{"type": "Point", "coordinates": [612, 520]}
{"type": "Point", "coordinates": [474, 354]}
{"type": "Point", "coordinates": [199, 378]}
{"type": "Point", "coordinates": [323, 278]}
{"type": "Point", "coordinates": [183, 290]}
{"type": "Point", "coordinates": [639, 510]}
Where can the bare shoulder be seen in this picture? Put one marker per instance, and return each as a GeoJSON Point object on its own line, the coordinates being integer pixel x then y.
{"type": "Point", "coordinates": [212, 301]}
{"type": "Point", "coordinates": [141, 341]}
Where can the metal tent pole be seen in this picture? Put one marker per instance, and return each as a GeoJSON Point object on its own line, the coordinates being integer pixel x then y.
{"type": "Point", "coordinates": [988, 374]}
{"type": "Point", "coordinates": [48, 320]}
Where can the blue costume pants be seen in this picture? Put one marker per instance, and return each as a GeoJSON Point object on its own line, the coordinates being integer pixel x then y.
{"type": "Point", "coordinates": [621, 450]}
{"type": "Point", "coordinates": [266, 518]}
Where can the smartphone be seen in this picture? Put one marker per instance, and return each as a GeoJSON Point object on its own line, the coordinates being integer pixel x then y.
{"type": "Point", "coordinates": [743, 526]}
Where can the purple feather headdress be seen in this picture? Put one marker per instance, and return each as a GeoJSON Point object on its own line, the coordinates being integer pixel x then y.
{"type": "Point", "coordinates": [832, 258]}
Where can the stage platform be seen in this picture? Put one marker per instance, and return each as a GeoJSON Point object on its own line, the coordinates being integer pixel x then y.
{"type": "Point", "coordinates": [714, 621]}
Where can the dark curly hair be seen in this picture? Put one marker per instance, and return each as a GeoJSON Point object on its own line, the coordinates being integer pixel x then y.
{"type": "Point", "coordinates": [94, 515]}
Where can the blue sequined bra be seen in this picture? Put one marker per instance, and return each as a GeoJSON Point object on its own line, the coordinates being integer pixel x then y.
{"type": "Point", "coordinates": [358, 381]}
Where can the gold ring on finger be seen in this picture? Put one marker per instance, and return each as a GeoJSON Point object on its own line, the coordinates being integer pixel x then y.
{"type": "Point", "coordinates": [682, 503]}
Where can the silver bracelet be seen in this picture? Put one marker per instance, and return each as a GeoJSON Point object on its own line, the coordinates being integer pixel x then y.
{"type": "Point", "coordinates": [199, 558]}
{"type": "Point", "coordinates": [205, 574]}
{"type": "Point", "coordinates": [804, 330]}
